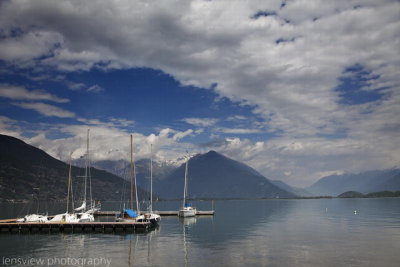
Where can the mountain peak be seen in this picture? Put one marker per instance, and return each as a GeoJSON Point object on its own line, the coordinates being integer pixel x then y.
{"type": "Point", "coordinates": [213, 175]}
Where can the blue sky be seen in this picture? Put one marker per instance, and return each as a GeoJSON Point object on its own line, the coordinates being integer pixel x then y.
{"type": "Point", "coordinates": [296, 95]}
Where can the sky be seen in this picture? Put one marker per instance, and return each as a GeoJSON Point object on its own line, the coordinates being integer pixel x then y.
{"type": "Point", "coordinates": [296, 89]}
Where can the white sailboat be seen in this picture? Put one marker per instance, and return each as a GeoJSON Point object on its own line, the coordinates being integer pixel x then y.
{"type": "Point", "coordinates": [130, 214]}
{"type": "Point", "coordinates": [149, 215]}
{"type": "Point", "coordinates": [68, 217]}
{"type": "Point", "coordinates": [92, 207]}
{"type": "Point", "coordinates": [186, 210]}
{"type": "Point", "coordinates": [34, 218]}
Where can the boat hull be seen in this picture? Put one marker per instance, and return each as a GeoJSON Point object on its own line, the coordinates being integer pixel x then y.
{"type": "Point", "coordinates": [187, 213]}
{"type": "Point", "coordinates": [149, 217]}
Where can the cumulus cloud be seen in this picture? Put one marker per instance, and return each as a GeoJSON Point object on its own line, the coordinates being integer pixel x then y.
{"type": "Point", "coordinates": [106, 141]}
{"type": "Point", "coordinates": [28, 46]}
{"type": "Point", "coordinates": [283, 60]}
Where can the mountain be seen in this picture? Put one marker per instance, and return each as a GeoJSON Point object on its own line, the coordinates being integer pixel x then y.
{"type": "Point", "coordinates": [300, 192]}
{"type": "Point", "coordinates": [213, 175]}
{"type": "Point", "coordinates": [364, 182]}
{"type": "Point", "coordinates": [26, 171]}
{"type": "Point", "coordinates": [355, 194]}
{"type": "Point", "coordinates": [351, 194]}
{"type": "Point", "coordinates": [121, 168]}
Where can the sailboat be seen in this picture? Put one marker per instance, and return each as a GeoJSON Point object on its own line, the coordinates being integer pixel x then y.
{"type": "Point", "coordinates": [34, 217]}
{"type": "Point", "coordinates": [130, 214]}
{"type": "Point", "coordinates": [149, 215]}
{"type": "Point", "coordinates": [186, 210]}
{"type": "Point", "coordinates": [68, 217]}
{"type": "Point", "coordinates": [93, 207]}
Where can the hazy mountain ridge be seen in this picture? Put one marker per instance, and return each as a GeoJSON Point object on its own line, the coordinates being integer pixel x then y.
{"type": "Point", "coordinates": [122, 168]}
{"type": "Point", "coordinates": [364, 182]}
{"type": "Point", "coordinates": [298, 191]}
{"type": "Point", "coordinates": [355, 194]}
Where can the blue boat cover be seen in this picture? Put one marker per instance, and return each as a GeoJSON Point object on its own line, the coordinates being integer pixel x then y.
{"type": "Point", "coordinates": [188, 204]}
{"type": "Point", "coordinates": [131, 213]}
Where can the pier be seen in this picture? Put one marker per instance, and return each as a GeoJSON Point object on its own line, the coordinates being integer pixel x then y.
{"type": "Point", "coordinates": [102, 227]}
{"type": "Point", "coordinates": [161, 213]}
{"type": "Point", "coordinates": [12, 226]}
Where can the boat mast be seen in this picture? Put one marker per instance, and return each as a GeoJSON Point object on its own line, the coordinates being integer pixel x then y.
{"type": "Point", "coordinates": [69, 182]}
{"type": "Point", "coordinates": [86, 166]}
{"type": "Point", "coordinates": [88, 171]}
{"type": "Point", "coordinates": [151, 178]}
{"type": "Point", "coordinates": [131, 195]}
{"type": "Point", "coordinates": [185, 185]}
{"type": "Point", "coordinates": [133, 169]}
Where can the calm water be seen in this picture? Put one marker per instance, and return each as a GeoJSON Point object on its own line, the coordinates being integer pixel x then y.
{"type": "Point", "coordinates": [318, 232]}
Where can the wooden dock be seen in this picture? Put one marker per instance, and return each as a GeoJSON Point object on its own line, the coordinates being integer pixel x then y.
{"type": "Point", "coordinates": [101, 227]}
{"type": "Point", "coordinates": [161, 213]}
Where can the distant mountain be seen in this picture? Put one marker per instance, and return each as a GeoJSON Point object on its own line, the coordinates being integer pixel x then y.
{"type": "Point", "coordinates": [365, 182]}
{"type": "Point", "coordinates": [383, 194]}
{"type": "Point", "coordinates": [300, 192]}
{"type": "Point", "coordinates": [355, 194]}
{"type": "Point", "coordinates": [121, 168]}
{"type": "Point", "coordinates": [26, 172]}
{"type": "Point", "coordinates": [213, 175]}
{"type": "Point", "coordinates": [351, 194]}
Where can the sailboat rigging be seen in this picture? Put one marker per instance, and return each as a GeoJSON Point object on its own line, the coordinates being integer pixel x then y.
{"type": "Point", "coordinates": [149, 215]}
{"type": "Point", "coordinates": [67, 216]}
{"type": "Point", "coordinates": [186, 210]}
{"type": "Point", "coordinates": [92, 207]}
{"type": "Point", "coordinates": [131, 214]}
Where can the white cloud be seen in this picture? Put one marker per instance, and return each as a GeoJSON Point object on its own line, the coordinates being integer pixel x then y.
{"type": "Point", "coordinates": [291, 84]}
{"type": "Point", "coordinates": [237, 130]}
{"type": "Point", "coordinates": [106, 141]}
{"type": "Point", "coordinates": [202, 122]}
{"type": "Point", "coordinates": [20, 93]}
{"type": "Point", "coordinates": [9, 127]}
{"type": "Point", "coordinates": [95, 89]}
{"type": "Point", "coordinates": [28, 46]}
{"type": "Point", "coordinates": [180, 135]}
{"type": "Point", "coordinates": [236, 118]}
{"type": "Point", "coordinates": [46, 109]}
{"type": "Point", "coordinates": [109, 122]}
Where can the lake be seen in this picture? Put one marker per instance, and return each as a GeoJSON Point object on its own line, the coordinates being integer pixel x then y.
{"type": "Point", "coordinates": [298, 232]}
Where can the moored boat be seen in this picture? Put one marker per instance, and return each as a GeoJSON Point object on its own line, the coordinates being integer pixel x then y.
{"type": "Point", "coordinates": [186, 210]}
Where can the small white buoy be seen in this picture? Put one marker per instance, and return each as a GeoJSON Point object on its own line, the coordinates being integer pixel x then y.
{"type": "Point", "coordinates": [355, 212]}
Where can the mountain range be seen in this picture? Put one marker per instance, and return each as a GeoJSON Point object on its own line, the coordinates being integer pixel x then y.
{"type": "Point", "coordinates": [212, 175]}
{"type": "Point", "coordinates": [364, 182]}
{"type": "Point", "coordinates": [27, 172]}
{"type": "Point", "coordinates": [298, 191]}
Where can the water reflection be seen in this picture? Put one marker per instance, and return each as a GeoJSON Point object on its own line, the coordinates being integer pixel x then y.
{"type": "Point", "coordinates": [250, 233]}
{"type": "Point", "coordinates": [187, 223]}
